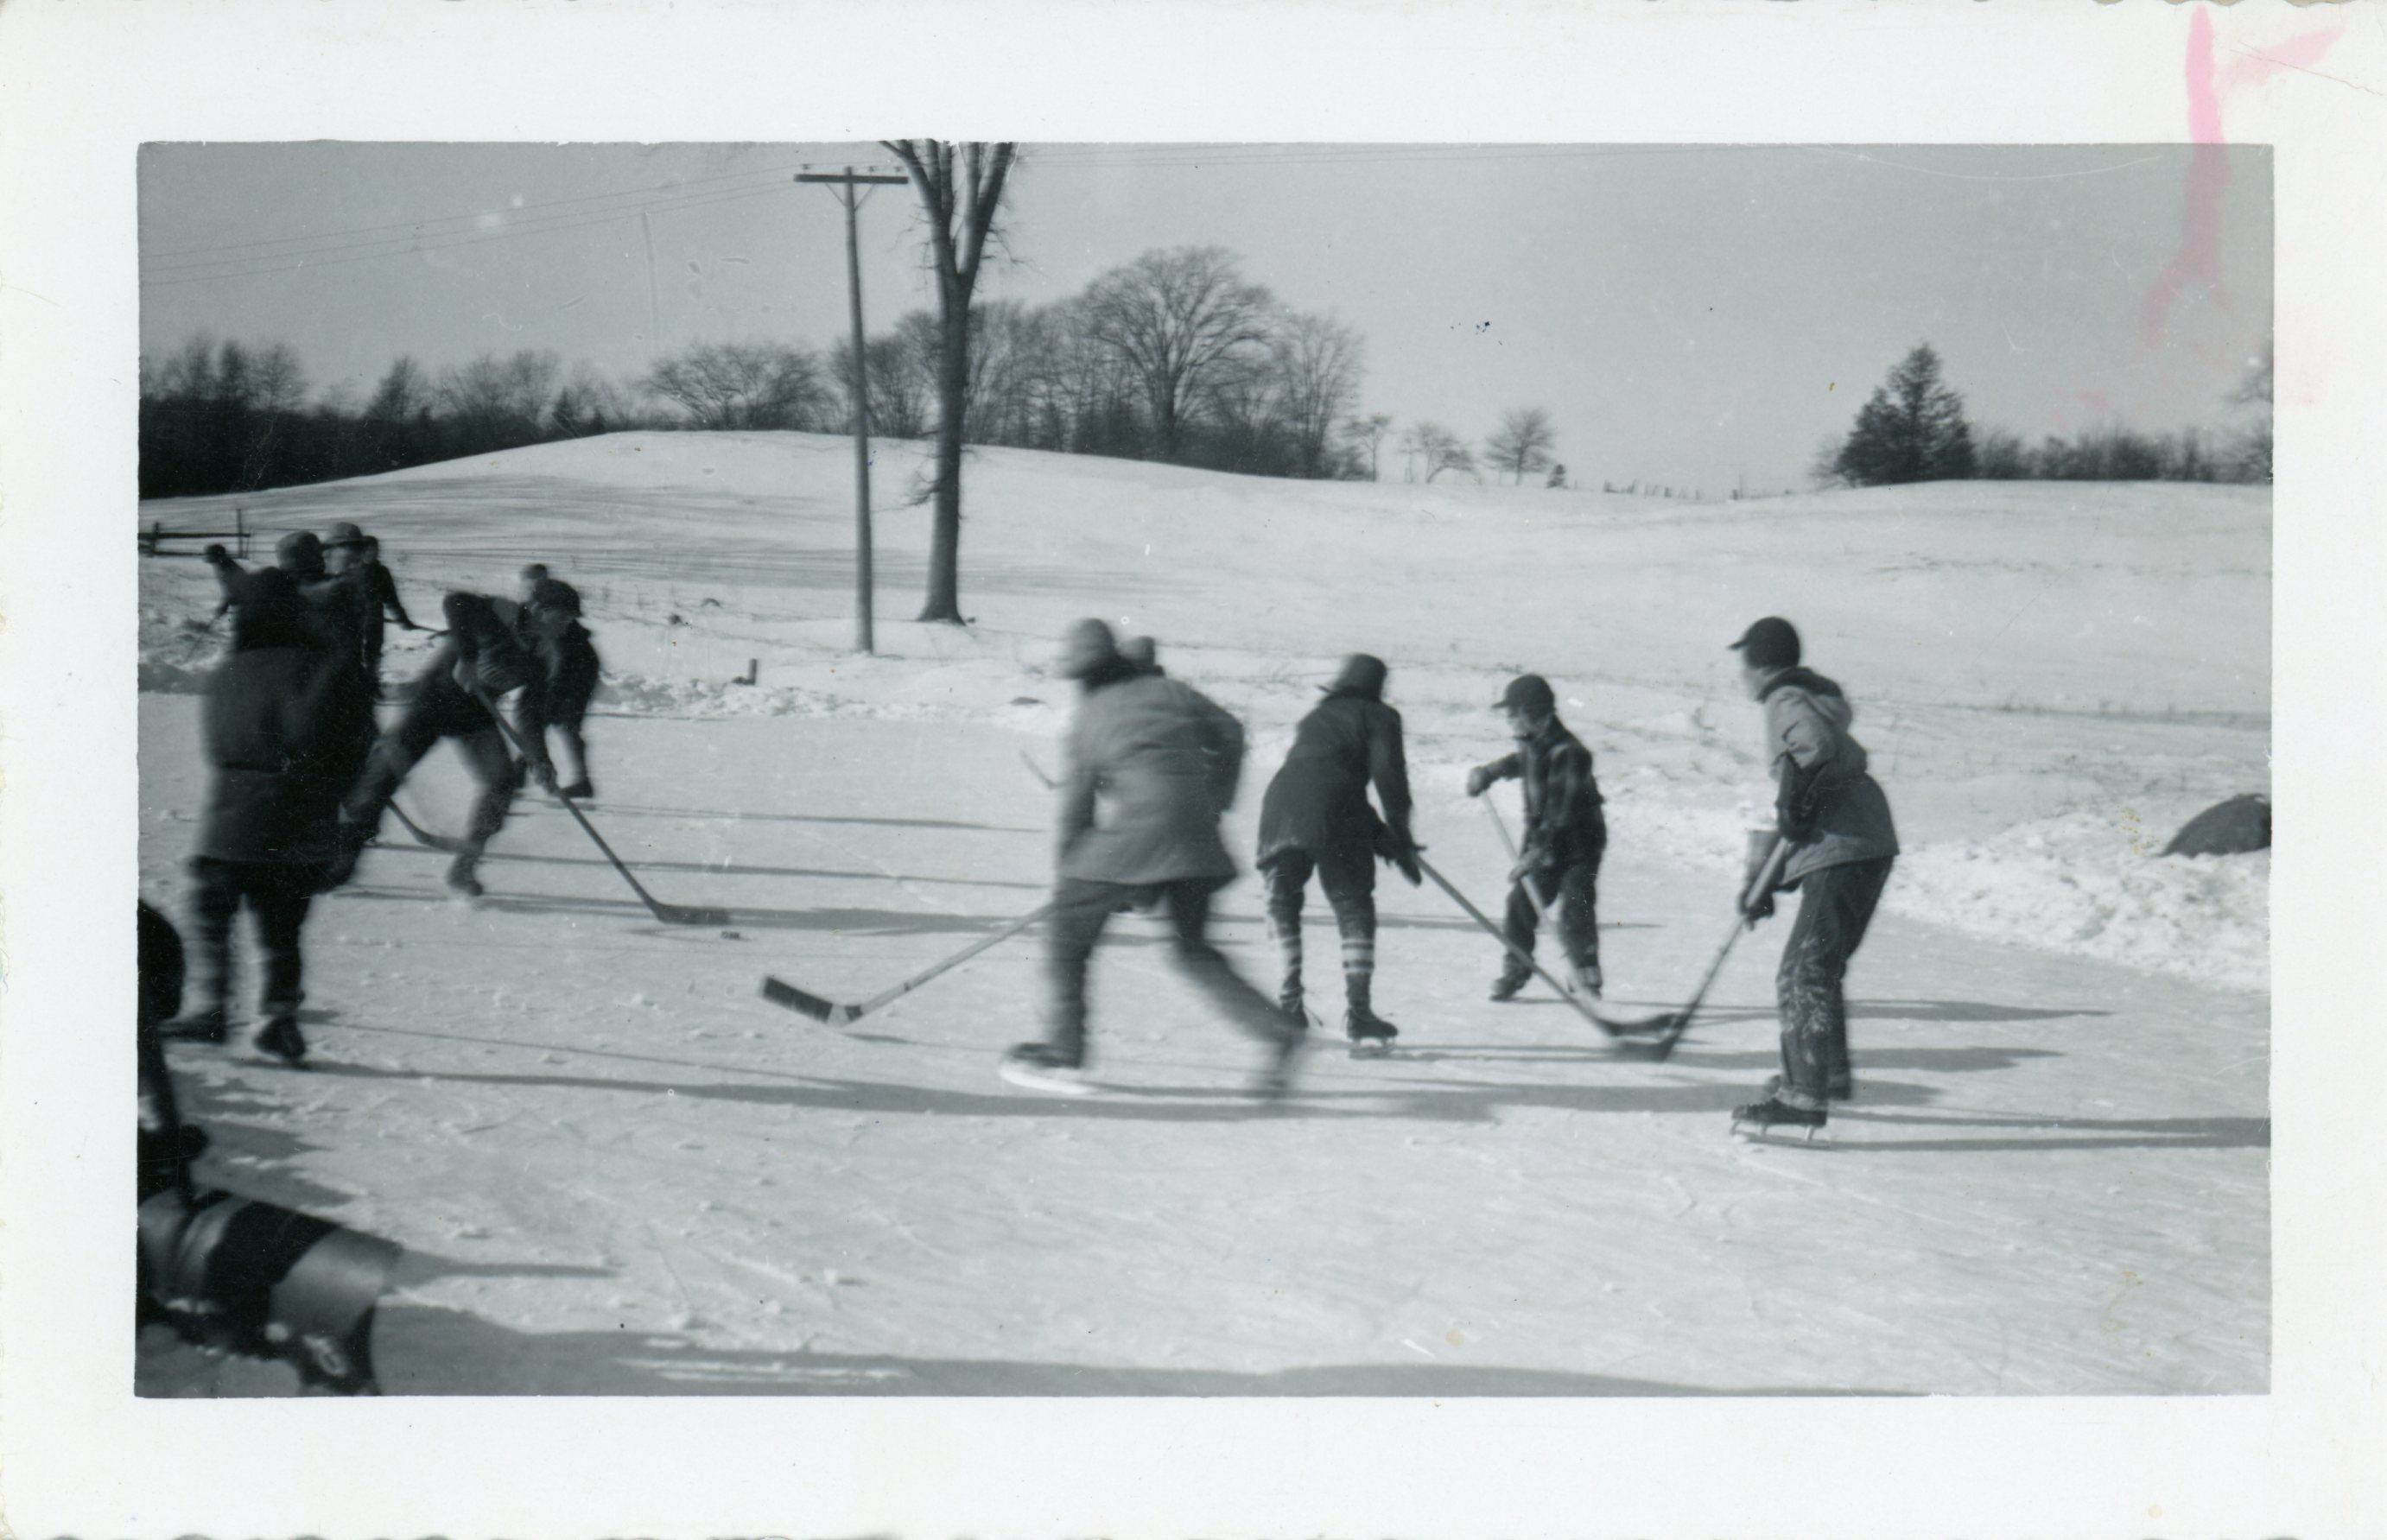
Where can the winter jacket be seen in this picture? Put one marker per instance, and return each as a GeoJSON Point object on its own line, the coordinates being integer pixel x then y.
{"type": "Point", "coordinates": [482, 658]}
{"type": "Point", "coordinates": [1563, 819]}
{"type": "Point", "coordinates": [284, 726]}
{"type": "Point", "coordinates": [572, 669]}
{"type": "Point", "coordinates": [1317, 801]}
{"type": "Point", "coordinates": [1829, 810]}
{"type": "Point", "coordinates": [1150, 765]}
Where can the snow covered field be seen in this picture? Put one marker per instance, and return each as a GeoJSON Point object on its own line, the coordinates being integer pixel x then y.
{"type": "Point", "coordinates": [616, 1169]}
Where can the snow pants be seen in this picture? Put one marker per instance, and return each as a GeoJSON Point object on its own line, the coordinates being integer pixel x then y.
{"type": "Point", "coordinates": [1081, 909]}
{"type": "Point", "coordinates": [1835, 904]}
{"type": "Point", "coordinates": [1348, 875]}
{"type": "Point", "coordinates": [441, 709]}
{"type": "Point", "coordinates": [278, 898]}
{"type": "Point", "coordinates": [1571, 894]}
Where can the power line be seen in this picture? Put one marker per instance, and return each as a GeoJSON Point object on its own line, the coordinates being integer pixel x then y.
{"type": "Point", "coordinates": [301, 261]}
{"type": "Point", "coordinates": [671, 188]}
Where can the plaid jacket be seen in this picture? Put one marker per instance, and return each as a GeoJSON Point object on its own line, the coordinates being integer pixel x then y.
{"type": "Point", "coordinates": [1563, 821]}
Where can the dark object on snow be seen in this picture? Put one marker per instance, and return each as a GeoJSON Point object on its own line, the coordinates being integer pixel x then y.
{"type": "Point", "coordinates": [256, 1278]}
{"type": "Point", "coordinates": [2233, 828]}
{"type": "Point", "coordinates": [229, 1272]}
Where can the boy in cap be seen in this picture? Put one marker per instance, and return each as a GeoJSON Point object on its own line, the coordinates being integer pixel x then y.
{"type": "Point", "coordinates": [551, 623]}
{"type": "Point", "coordinates": [1316, 817]}
{"type": "Point", "coordinates": [1151, 767]}
{"type": "Point", "coordinates": [356, 557]}
{"type": "Point", "coordinates": [1835, 819]}
{"type": "Point", "coordinates": [1566, 834]}
{"type": "Point", "coordinates": [481, 662]}
{"type": "Point", "coordinates": [284, 728]}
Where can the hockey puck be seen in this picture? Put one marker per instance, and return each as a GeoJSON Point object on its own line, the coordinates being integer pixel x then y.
{"type": "Point", "coordinates": [731, 936]}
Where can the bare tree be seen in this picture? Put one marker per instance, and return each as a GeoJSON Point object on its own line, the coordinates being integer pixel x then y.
{"type": "Point", "coordinates": [279, 381]}
{"type": "Point", "coordinates": [1524, 443]}
{"type": "Point", "coordinates": [500, 403]}
{"type": "Point", "coordinates": [960, 193]}
{"type": "Point", "coordinates": [740, 386]}
{"type": "Point", "coordinates": [1318, 362]}
{"type": "Point", "coordinates": [1439, 449]}
{"type": "Point", "coordinates": [1175, 317]}
{"type": "Point", "coordinates": [900, 384]}
{"type": "Point", "coordinates": [1367, 431]}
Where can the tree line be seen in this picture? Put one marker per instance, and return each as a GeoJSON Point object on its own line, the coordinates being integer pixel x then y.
{"type": "Point", "coordinates": [1913, 428]}
{"type": "Point", "coordinates": [1174, 357]}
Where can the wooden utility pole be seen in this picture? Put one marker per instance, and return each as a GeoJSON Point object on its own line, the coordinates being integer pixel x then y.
{"type": "Point", "coordinates": [848, 183]}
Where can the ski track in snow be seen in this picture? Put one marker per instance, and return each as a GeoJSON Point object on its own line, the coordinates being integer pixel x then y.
{"type": "Point", "coordinates": [615, 1170]}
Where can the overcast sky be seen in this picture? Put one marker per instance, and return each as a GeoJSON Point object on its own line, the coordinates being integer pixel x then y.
{"type": "Point", "coordinates": [1691, 315]}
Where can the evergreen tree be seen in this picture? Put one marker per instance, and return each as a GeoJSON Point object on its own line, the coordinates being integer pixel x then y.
{"type": "Point", "coordinates": [1913, 429]}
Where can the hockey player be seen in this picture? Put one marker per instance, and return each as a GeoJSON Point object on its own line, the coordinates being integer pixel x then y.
{"type": "Point", "coordinates": [1151, 767]}
{"type": "Point", "coordinates": [1316, 817]}
{"type": "Point", "coordinates": [1565, 836]}
{"type": "Point", "coordinates": [356, 555]}
{"type": "Point", "coordinates": [569, 662]}
{"type": "Point", "coordinates": [1836, 822]}
{"type": "Point", "coordinates": [284, 729]}
{"type": "Point", "coordinates": [480, 663]}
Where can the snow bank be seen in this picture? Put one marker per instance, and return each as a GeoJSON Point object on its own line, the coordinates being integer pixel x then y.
{"type": "Point", "coordinates": [2093, 887]}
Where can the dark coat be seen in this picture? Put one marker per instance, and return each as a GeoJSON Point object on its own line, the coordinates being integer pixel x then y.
{"type": "Point", "coordinates": [286, 726]}
{"type": "Point", "coordinates": [1564, 823]}
{"type": "Point", "coordinates": [572, 668]}
{"type": "Point", "coordinates": [1150, 766]}
{"type": "Point", "coordinates": [1317, 801]}
{"type": "Point", "coordinates": [1830, 810]}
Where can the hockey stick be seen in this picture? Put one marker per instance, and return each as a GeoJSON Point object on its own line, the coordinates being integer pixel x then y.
{"type": "Point", "coordinates": [780, 993]}
{"type": "Point", "coordinates": [670, 913]}
{"type": "Point", "coordinates": [1670, 1025]}
{"type": "Point", "coordinates": [423, 837]}
{"type": "Point", "coordinates": [1520, 954]}
{"type": "Point", "coordinates": [1038, 770]}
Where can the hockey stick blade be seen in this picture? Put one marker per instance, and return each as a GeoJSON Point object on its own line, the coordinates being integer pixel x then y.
{"type": "Point", "coordinates": [676, 914]}
{"type": "Point", "coordinates": [778, 991]}
{"type": "Point", "coordinates": [444, 843]}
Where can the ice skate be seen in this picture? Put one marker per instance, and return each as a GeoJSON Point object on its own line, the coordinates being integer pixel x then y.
{"type": "Point", "coordinates": [1274, 1082]}
{"type": "Point", "coordinates": [1505, 987]}
{"type": "Point", "coordinates": [578, 791]}
{"type": "Point", "coordinates": [1372, 1036]}
{"type": "Point", "coordinates": [281, 1039]}
{"type": "Point", "coordinates": [1842, 1088]}
{"type": "Point", "coordinates": [1774, 1118]}
{"type": "Point", "coordinates": [1588, 981]}
{"type": "Point", "coordinates": [1037, 1067]}
{"type": "Point", "coordinates": [461, 882]}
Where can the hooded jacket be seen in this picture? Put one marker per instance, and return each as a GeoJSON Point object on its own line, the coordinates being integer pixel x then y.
{"type": "Point", "coordinates": [1827, 805]}
{"type": "Point", "coordinates": [1318, 800]}
{"type": "Point", "coordinates": [285, 728]}
{"type": "Point", "coordinates": [1151, 765]}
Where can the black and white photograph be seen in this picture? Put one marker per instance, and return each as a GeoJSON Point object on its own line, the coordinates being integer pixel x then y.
{"type": "Point", "coordinates": [1134, 773]}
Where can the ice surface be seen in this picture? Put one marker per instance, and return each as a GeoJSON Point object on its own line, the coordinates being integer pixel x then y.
{"type": "Point", "coordinates": [616, 1169]}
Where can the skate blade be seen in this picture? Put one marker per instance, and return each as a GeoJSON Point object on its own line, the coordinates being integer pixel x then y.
{"type": "Point", "coordinates": [1372, 1048]}
{"type": "Point", "coordinates": [1029, 1077]}
{"type": "Point", "coordinates": [1794, 1137]}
